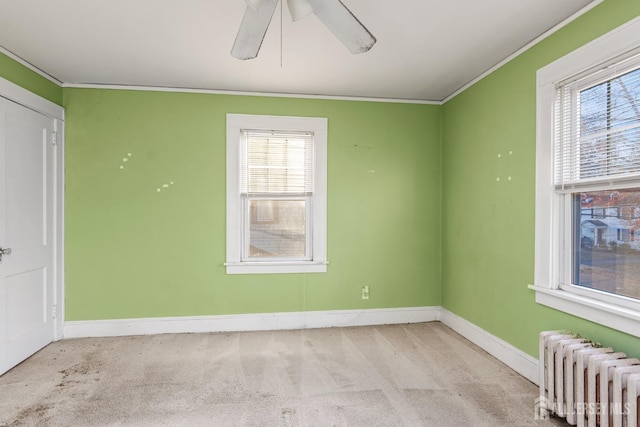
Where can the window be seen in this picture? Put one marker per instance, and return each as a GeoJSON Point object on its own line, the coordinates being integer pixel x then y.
{"type": "Point", "coordinates": [597, 146]}
{"type": "Point", "coordinates": [276, 194]}
{"type": "Point", "coordinates": [588, 181]}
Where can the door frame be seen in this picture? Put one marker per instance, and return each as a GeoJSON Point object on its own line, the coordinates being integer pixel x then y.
{"type": "Point", "coordinates": [34, 102]}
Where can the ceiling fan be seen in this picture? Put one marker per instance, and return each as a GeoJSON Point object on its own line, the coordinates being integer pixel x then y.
{"type": "Point", "coordinates": [333, 13]}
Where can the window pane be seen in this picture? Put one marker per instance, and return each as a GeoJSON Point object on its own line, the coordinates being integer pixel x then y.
{"type": "Point", "coordinates": [610, 127]}
{"type": "Point", "coordinates": [607, 241]}
{"type": "Point", "coordinates": [278, 163]}
{"type": "Point", "coordinates": [277, 228]}
{"type": "Point", "coordinates": [610, 105]}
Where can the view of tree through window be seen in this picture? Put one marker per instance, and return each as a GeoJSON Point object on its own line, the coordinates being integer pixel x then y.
{"type": "Point", "coordinates": [607, 222]}
{"type": "Point", "coordinates": [610, 127]}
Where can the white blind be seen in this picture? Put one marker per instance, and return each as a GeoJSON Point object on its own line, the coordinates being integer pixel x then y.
{"type": "Point", "coordinates": [597, 129]}
{"type": "Point", "coordinates": [276, 162]}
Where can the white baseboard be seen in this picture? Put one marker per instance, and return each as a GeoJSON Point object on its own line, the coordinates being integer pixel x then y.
{"type": "Point", "coordinates": [249, 322]}
{"type": "Point", "coordinates": [516, 359]}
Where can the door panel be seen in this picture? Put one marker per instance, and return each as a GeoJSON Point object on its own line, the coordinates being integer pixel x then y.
{"type": "Point", "coordinates": [26, 155]}
{"type": "Point", "coordinates": [26, 214]}
{"type": "Point", "coordinates": [22, 314]}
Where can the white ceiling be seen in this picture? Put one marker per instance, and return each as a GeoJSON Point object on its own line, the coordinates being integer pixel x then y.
{"type": "Point", "coordinates": [426, 50]}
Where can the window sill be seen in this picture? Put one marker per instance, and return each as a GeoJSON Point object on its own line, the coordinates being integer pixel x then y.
{"type": "Point", "coordinates": [604, 313]}
{"type": "Point", "coordinates": [275, 267]}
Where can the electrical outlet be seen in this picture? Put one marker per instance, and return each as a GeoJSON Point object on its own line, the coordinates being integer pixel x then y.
{"type": "Point", "coordinates": [365, 292]}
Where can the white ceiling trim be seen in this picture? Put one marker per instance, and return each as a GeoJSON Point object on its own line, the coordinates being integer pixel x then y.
{"type": "Point", "coordinates": [238, 93]}
{"type": "Point", "coordinates": [526, 47]}
{"type": "Point", "coordinates": [30, 66]}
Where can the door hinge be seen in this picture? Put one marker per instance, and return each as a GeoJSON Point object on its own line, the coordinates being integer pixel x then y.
{"type": "Point", "coordinates": [54, 311]}
{"type": "Point", "coordinates": [54, 138]}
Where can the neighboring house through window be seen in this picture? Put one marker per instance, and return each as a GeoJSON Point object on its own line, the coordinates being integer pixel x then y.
{"type": "Point", "coordinates": [588, 181]}
{"type": "Point", "coordinates": [276, 194]}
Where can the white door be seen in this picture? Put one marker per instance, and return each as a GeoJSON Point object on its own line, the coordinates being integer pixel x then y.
{"type": "Point", "coordinates": [26, 231]}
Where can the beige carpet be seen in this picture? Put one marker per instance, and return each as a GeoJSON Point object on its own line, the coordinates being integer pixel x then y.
{"type": "Point", "coordinates": [401, 375]}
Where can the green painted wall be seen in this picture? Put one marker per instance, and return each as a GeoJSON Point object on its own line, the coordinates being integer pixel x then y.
{"type": "Point", "coordinates": [133, 252]}
{"type": "Point", "coordinates": [30, 80]}
{"type": "Point", "coordinates": [432, 217]}
{"type": "Point", "coordinates": [488, 224]}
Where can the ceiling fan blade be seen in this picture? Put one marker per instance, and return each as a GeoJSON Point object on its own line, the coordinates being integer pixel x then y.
{"type": "Point", "coordinates": [254, 4]}
{"type": "Point", "coordinates": [299, 9]}
{"type": "Point", "coordinates": [344, 25]}
{"type": "Point", "coordinates": [252, 30]}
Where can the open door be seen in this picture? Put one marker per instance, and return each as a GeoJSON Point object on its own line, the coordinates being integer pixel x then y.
{"type": "Point", "coordinates": [27, 239]}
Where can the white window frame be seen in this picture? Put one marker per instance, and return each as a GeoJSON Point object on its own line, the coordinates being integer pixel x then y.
{"type": "Point", "coordinates": [553, 209]}
{"type": "Point", "coordinates": [235, 264]}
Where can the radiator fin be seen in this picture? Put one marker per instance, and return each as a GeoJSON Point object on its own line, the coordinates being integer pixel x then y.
{"type": "Point", "coordinates": [589, 385]}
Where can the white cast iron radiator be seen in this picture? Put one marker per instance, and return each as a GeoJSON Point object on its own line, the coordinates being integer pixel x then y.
{"type": "Point", "coordinates": [586, 383]}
